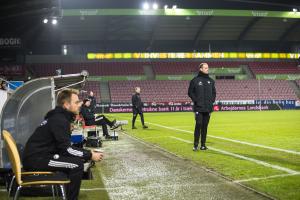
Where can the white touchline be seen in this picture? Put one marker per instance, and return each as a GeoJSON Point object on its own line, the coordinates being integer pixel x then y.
{"type": "Point", "coordinates": [264, 178]}
{"type": "Point", "coordinates": [290, 171]}
{"type": "Point", "coordinates": [231, 140]}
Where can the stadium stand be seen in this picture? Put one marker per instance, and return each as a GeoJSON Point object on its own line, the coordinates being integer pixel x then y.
{"type": "Point", "coordinates": [160, 68]}
{"type": "Point", "coordinates": [176, 91]}
{"type": "Point", "coordinates": [91, 86]}
{"type": "Point", "coordinates": [274, 68]}
{"type": "Point", "coordinates": [298, 82]}
{"type": "Point", "coordinates": [249, 89]}
{"type": "Point", "coordinates": [95, 69]}
{"type": "Point", "coordinates": [152, 91]}
{"type": "Point", "coordinates": [187, 67]}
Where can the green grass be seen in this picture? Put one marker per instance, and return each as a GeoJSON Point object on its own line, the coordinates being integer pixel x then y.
{"type": "Point", "coordinates": [279, 129]}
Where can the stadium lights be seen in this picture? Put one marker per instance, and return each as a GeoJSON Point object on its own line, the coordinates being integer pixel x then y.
{"type": "Point", "coordinates": [295, 10]}
{"type": "Point", "coordinates": [54, 21]}
{"type": "Point", "coordinates": [65, 50]}
{"type": "Point", "coordinates": [174, 7]}
{"type": "Point", "coordinates": [155, 6]}
{"type": "Point", "coordinates": [146, 6]}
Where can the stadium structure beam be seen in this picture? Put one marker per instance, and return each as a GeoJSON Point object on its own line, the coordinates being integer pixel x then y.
{"type": "Point", "coordinates": [289, 30]}
{"type": "Point", "coordinates": [201, 28]}
{"type": "Point", "coordinates": [180, 12]}
{"type": "Point", "coordinates": [251, 23]}
{"type": "Point", "coordinates": [156, 24]}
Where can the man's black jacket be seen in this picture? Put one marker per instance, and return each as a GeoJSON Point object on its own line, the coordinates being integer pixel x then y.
{"type": "Point", "coordinates": [202, 91]}
{"type": "Point", "coordinates": [93, 102]}
{"type": "Point", "coordinates": [137, 103]}
{"type": "Point", "coordinates": [52, 137]}
{"type": "Point", "coordinates": [88, 115]}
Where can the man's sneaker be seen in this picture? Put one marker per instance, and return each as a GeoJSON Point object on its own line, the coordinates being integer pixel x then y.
{"type": "Point", "coordinates": [203, 148]}
{"type": "Point", "coordinates": [116, 125]}
{"type": "Point", "coordinates": [195, 148]}
{"type": "Point", "coordinates": [144, 127]}
{"type": "Point", "coordinates": [134, 127]}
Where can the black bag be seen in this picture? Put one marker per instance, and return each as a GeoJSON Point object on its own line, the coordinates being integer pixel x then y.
{"type": "Point", "coordinates": [93, 142]}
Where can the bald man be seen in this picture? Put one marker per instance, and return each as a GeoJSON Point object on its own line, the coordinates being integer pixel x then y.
{"type": "Point", "coordinates": [137, 107]}
{"type": "Point", "coordinates": [202, 91]}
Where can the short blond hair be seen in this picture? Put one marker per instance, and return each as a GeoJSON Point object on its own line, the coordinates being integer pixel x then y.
{"type": "Point", "coordinates": [65, 96]}
{"type": "Point", "coordinates": [202, 64]}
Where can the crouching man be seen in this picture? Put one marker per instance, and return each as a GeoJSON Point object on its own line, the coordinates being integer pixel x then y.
{"type": "Point", "coordinates": [49, 147]}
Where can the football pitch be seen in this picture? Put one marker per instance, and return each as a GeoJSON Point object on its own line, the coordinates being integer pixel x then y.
{"type": "Point", "coordinates": [258, 149]}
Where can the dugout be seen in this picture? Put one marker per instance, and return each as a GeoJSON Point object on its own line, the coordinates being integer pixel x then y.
{"type": "Point", "coordinates": [27, 106]}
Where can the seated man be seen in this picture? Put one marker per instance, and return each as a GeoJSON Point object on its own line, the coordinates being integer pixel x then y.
{"type": "Point", "coordinates": [49, 147]}
{"type": "Point", "coordinates": [89, 117]}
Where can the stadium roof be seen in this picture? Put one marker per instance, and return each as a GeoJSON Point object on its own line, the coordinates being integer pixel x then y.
{"type": "Point", "coordinates": [123, 25]}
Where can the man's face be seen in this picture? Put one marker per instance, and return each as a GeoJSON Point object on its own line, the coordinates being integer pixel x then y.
{"type": "Point", "coordinates": [88, 103]}
{"type": "Point", "coordinates": [204, 69]}
{"type": "Point", "coordinates": [74, 104]}
{"type": "Point", "coordinates": [138, 90]}
{"type": "Point", "coordinates": [3, 85]}
{"type": "Point", "coordinates": [91, 93]}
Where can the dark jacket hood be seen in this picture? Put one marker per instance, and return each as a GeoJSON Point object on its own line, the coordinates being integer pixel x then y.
{"type": "Point", "coordinates": [69, 115]}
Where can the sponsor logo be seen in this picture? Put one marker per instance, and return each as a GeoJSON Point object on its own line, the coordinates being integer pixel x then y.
{"type": "Point", "coordinates": [260, 13]}
{"type": "Point", "coordinates": [44, 123]}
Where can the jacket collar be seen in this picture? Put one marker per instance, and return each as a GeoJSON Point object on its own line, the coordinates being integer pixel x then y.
{"type": "Point", "coordinates": [58, 109]}
{"type": "Point", "coordinates": [201, 74]}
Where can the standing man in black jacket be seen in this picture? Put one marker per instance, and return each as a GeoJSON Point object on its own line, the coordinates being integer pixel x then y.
{"type": "Point", "coordinates": [49, 147]}
{"type": "Point", "coordinates": [202, 91]}
{"type": "Point", "coordinates": [137, 107]}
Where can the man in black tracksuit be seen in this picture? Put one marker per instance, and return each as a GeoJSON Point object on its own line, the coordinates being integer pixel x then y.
{"type": "Point", "coordinates": [137, 107]}
{"type": "Point", "coordinates": [49, 147]}
{"type": "Point", "coordinates": [88, 115]}
{"type": "Point", "coordinates": [202, 91]}
{"type": "Point", "coordinates": [93, 100]}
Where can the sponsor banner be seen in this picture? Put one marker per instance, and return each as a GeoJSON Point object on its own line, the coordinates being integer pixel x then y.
{"type": "Point", "coordinates": [233, 102]}
{"type": "Point", "coordinates": [188, 106]}
{"type": "Point", "coordinates": [13, 85]}
{"type": "Point", "coordinates": [192, 55]}
{"type": "Point", "coordinates": [246, 107]}
{"type": "Point", "coordinates": [10, 42]}
{"type": "Point", "coordinates": [297, 104]}
{"type": "Point", "coordinates": [148, 107]}
{"type": "Point", "coordinates": [283, 104]}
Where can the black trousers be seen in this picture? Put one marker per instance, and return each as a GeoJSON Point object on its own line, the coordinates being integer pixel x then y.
{"type": "Point", "coordinates": [137, 112]}
{"type": "Point", "coordinates": [72, 166]}
{"type": "Point", "coordinates": [102, 121]}
{"type": "Point", "coordinates": [202, 120]}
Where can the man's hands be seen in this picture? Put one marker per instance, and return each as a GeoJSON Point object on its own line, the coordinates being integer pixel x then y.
{"type": "Point", "coordinates": [97, 156]}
